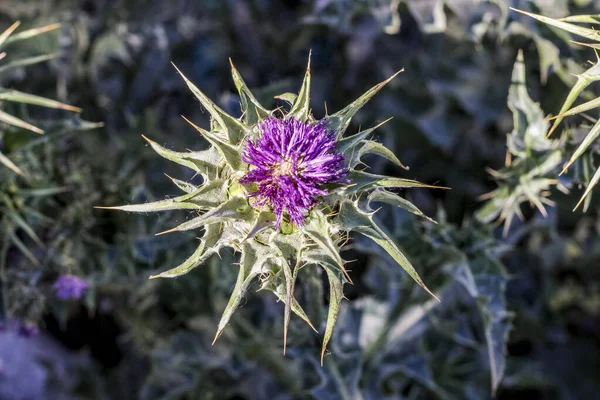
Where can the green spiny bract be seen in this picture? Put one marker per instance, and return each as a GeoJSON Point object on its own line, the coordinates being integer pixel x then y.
{"type": "Point", "coordinates": [583, 81]}
{"type": "Point", "coordinates": [274, 255]}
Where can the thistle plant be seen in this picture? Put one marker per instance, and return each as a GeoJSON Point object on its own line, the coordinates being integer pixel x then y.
{"type": "Point", "coordinates": [11, 95]}
{"type": "Point", "coordinates": [531, 159]}
{"type": "Point", "coordinates": [569, 24]}
{"type": "Point", "coordinates": [284, 190]}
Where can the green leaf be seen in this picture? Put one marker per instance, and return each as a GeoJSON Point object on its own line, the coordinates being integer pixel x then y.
{"type": "Point", "coordinates": [9, 119]}
{"type": "Point", "coordinates": [336, 294]}
{"type": "Point", "coordinates": [253, 110]}
{"type": "Point", "coordinates": [301, 108]}
{"type": "Point", "coordinates": [232, 127]}
{"type": "Point", "coordinates": [588, 189]}
{"type": "Point", "coordinates": [236, 208]}
{"type": "Point", "coordinates": [23, 62]}
{"type": "Point", "coordinates": [28, 34]}
{"type": "Point", "coordinates": [339, 121]}
{"type": "Point", "coordinates": [288, 97]}
{"type": "Point", "coordinates": [589, 105]}
{"type": "Point", "coordinates": [582, 19]}
{"type": "Point", "coordinates": [587, 141]}
{"type": "Point", "coordinates": [348, 144]}
{"type": "Point", "coordinates": [351, 218]}
{"type": "Point", "coordinates": [383, 196]}
{"type": "Point", "coordinates": [319, 230]}
{"type": "Point", "coordinates": [205, 162]}
{"type": "Point", "coordinates": [20, 97]}
{"type": "Point", "coordinates": [231, 154]}
{"type": "Point", "coordinates": [208, 246]}
{"type": "Point", "coordinates": [264, 220]}
{"type": "Point", "coordinates": [41, 192]}
{"type": "Point", "coordinates": [577, 30]}
{"type": "Point", "coordinates": [183, 185]}
{"type": "Point", "coordinates": [361, 181]}
{"type": "Point", "coordinates": [252, 262]}
{"type": "Point", "coordinates": [583, 81]}
{"type": "Point", "coordinates": [177, 203]}
{"type": "Point", "coordinates": [371, 147]}
{"type": "Point", "coordinates": [530, 124]}
{"type": "Point", "coordinates": [9, 164]}
{"type": "Point", "coordinates": [4, 35]}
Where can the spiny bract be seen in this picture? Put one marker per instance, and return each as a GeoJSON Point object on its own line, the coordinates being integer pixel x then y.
{"type": "Point", "coordinates": [281, 202]}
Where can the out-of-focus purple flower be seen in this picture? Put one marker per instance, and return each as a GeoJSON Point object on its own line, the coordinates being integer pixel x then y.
{"type": "Point", "coordinates": [292, 160]}
{"type": "Point", "coordinates": [27, 330]}
{"type": "Point", "coordinates": [70, 287]}
{"type": "Point", "coordinates": [23, 329]}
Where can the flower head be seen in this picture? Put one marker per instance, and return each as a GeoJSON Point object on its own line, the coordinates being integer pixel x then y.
{"type": "Point", "coordinates": [70, 287]}
{"type": "Point", "coordinates": [292, 160]}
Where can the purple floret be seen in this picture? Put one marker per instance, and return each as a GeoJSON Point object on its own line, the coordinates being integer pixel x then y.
{"type": "Point", "coordinates": [291, 162]}
{"type": "Point", "coordinates": [70, 287]}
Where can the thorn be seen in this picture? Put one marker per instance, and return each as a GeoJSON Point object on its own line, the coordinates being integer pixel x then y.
{"type": "Point", "coordinates": [167, 231]}
{"type": "Point", "coordinates": [217, 335]}
{"type": "Point", "coordinates": [147, 140]}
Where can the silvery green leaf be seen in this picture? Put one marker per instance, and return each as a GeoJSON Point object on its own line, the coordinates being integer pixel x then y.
{"type": "Point", "coordinates": [9, 164]}
{"type": "Point", "coordinates": [336, 294]}
{"type": "Point", "coordinates": [339, 121]}
{"type": "Point", "coordinates": [11, 120]}
{"type": "Point", "coordinates": [280, 292]}
{"type": "Point", "coordinates": [264, 220]}
{"type": "Point", "coordinates": [205, 162]}
{"type": "Point", "coordinates": [372, 147]}
{"type": "Point", "coordinates": [288, 97]}
{"type": "Point", "coordinates": [589, 138]}
{"type": "Point", "coordinates": [319, 230]}
{"type": "Point", "coordinates": [591, 34]}
{"type": "Point", "coordinates": [361, 181]}
{"type": "Point", "coordinates": [208, 246]}
{"type": "Point", "coordinates": [184, 186]}
{"type": "Point", "coordinates": [253, 258]}
{"type": "Point", "coordinates": [349, 144]}
{"type": "Point", "coordinates": [588, 189]}
{"type": "Point", "coordinates": [232, 127]}
{"type": "Point", "coordinates": [4, 35]}
{"type": "Point", "coordinates": [582, 19]}
{"type": "Point", "coordinates": [253, 110]}
{"type": "Point", "coordinates": [301, 108]}
{"type": "Point", "coordinates": [351, 218]}
{"type": "Point", "coordinates": [530, 124]}
{"type": "Point", "coordinates": [176, 203]}
{"type": "Point", "coordinates": [23, 62]}
{"type": "Point", "coordinates": [230, 153]}
{"type": "Point", "coordinates": [28, 33]}
{"type": "Point", "coordinates": [383, 196]}
{"type": "Point", "coordinates": [583, 81]}
{"type": "Point", "coordinates": [20, 97]}
{"type": "Point", "coordinates": [236, 208]}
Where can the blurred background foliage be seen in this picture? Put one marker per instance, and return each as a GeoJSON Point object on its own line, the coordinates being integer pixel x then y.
{"type": "Point", "coordinates": [520, 310]}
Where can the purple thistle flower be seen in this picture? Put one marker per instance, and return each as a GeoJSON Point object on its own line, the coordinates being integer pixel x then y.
{"type": "Point", "coordinates": [70, 287]}
{"type": "Point", "coordinates": [292, 160]}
